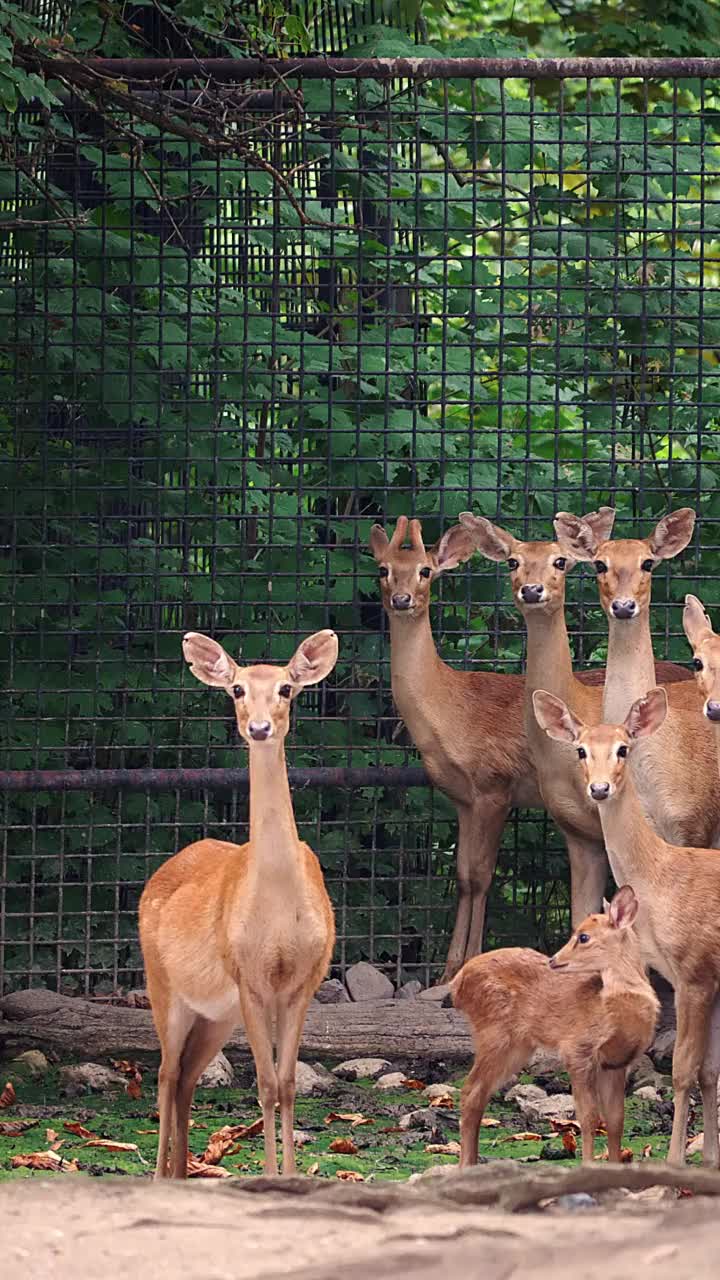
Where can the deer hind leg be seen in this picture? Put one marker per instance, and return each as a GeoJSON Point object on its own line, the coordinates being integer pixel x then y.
{"type": "Point", "coordinates": [204, 1040]}
{"type": "Point", "coordinates": [493, 1064]}
{"type": "Point", "coordinates": [290, 1022]}
{"type": "Point", "coordinates": [172, 1031]}
{"type": "Point", "coordinates": [480, 828]}
{"type": "Point", "coordinates": [588, 876]}
{"type": "Point", "coordinates": [611, 1095]}
{"type": "Point", "coordinates": [693, 1008]}
{"type": "Point", "coordinates": [258, 1023]}
{"type": "Point", "coordinates": [709, 1072]}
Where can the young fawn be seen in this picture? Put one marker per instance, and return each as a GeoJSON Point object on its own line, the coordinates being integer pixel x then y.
{"type": "Point", "coordinates": [705, 645]}
{"type": "Point", "coordinates": [678, 923]}
{"type": "Point", "coordinates": [591, 1003]}
{"type": "Point", "coordinates": [240, 933]}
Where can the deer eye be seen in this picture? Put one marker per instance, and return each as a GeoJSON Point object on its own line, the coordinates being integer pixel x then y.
{"type": "Point", "coordinates": [560, 562]}
{"type": "Point", "coordinates": [583, 937]}
{"type": "Point", "coordinates": [513, 563]}
{"type": "Point", "coordinates": [600, 566]}
{"type": "Point", "coordinates": [285, 690]}
{"type": "Point", "coordinates": [697, 664]}
{"type": "Point", "coordinates": [425, 572]}
{"type": "Point", "coordinates": [238, 691]}
{"type": "Point", "coordinates": [622, 752]}
{"type": "Point", "coordinates": [383, 571]}
{"type": "Point", "coordinates": [648, 565]}
{"type": "Point", "coordinates": [582, 753]}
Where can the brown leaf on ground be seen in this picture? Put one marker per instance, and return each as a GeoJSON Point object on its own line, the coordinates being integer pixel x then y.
{"type": "Point", "coordinates": [133, 1089]}
{"type": "Point", "coordinates": [451, 1148]}
{"type": "Point", "coordinates": [526, 1137]}
{"type": "Point", "coordinates": [626, 1155]}
{"type": "Point", "coordinates": [50, 1135]}
{"type": "Point", "coordinates": [489, 1122]}
{"type": "Point", "coordinates": [74, 1126]}
{"type": "Point", "coordinates": [351, 1117]}
{"type": "Point", "coordinates": [198, 1169]}
{"type": "Point", "coordinates": [47, 1160]}
{"type": "Point", "coordinates": [392, 1128]}
{"type": "Point", "coordinates": [349, 1175]}
{"type": "Point", "coordinates": [355, 1124]}
{"type": "Point", "coordinates": [446, 1101]}
{"type": "Point", "coordinates": [343, 1147]}
{"type": "Point", "coordinates": [109, 1144]}
{"type": "Point", "coordinates": [603, 1155]}
{"type": "Point", "coordinates": [147, 1130]}
{"type": "Point", "coordinates": [222, 1141]}
{"type": "Point", "coordinates": [569, 1142]}
{"type": "Point", "coordinates": [14, 1128]}
{"type": "Point", "coordinates": [412, 1084]}
{"type": "Point", "coordinates": [8, 1096]}
{"type": "Point", "coordinates": [564, 1126]}
{"type": "Point", "coordinates": [313, 1168]}
{"type": "Point", "coordinates": [646, 1152]}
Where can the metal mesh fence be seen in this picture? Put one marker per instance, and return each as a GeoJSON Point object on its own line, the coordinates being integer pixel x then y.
{"type": "Point", "coordinates": [250, 309]}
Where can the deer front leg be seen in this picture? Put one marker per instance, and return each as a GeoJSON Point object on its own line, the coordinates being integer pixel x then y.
{"type": "Point", "coordinates": [588, 876]}
{"type": "Point", "coordinates": [584, 1093]}
{"type": "Point", "coordinates": [611, 1094]}
{"type": "Point", "coordinates": [290, 1022]}
{"type": "Point", "coordinates": [480, 828]}
{"type": "Point", "coordinates": [709, 1072]}
{"type": "Point", "coordinates": [257, 1020]}
{"type": "Point", "coordinates": [693, 1007]}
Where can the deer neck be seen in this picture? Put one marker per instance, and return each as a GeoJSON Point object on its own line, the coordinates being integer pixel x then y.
{"type": "Point", "coordinates": [414, 661]}
{"type": "Point", "coordinates": [549, 664]}
{"type": "Point", "coordinates": [635, 853]}
{"type": "Point", "coordinates": [626, 974]}
{"type": "Point", "coordinates": [275, 861]}
{"type": "Point", "coordinates": [630, 666]}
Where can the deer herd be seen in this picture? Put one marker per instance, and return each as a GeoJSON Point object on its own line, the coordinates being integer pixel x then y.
{"type": "Point", "coordinates": [625, 762]}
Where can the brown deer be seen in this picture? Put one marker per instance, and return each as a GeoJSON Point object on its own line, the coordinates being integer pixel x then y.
{"type": "Point", "coordinates": [705, 645]}
{"type": "Point", "coordinates": [538, 572]}
{"type": "Point", "coordinates": [676, 770]}
{"type": "Point", "coordinates": [678, 888]}
{"type": "Point", "coordinates": [240, 933]}
{"type": "Point", "coordinates": [468, 726]}
{"type": "Point", "coordinates": [591, 1003]}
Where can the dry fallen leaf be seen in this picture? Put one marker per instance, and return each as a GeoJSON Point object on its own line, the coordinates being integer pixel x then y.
{"type": "Point", "coordinates": [50, 1135]}
{"type": "Point", "coordinates": [14, 1128]}
{"type": "Point", "coordinates": [74, 1126]}
{"type": "Point", "coordinates": [647, 1152]}
{"type": "Point", "coordinates": [351, 1117]}
{"type": "Point", "coordinates": [569, 1142]}
{"type": "Point", "coordinates": [349, 1175]}
{"type": "Point", "coordinates": [451, 1148]}
{"type": "Point", "coordinates": [313, 1168]}
{"type": "Point", "coordinates": [198, 1169]}
{"type": "Point", "coordinates": [603, 1155]}
{"type": "Point", "coordinates": [526, 1137]}
{"type": "Point", "coordinates": [446, 1100]}
{"type": "Point", "coordinates": [626, 1155]}
{"type": "Point", "coordinates": [412, 1084]}
{"type": "Point", "coordinates": [7, 1097]}
{"type": "Point", "coordinates": [343, 1147]}
{"type": "Point", "coordinates": [564, 1126]}
{"type": "Point", "coordinates": [489, 1122]}
{"type": "Point", "coordinates": [147, 1130]}
{"type": "Point", "coordinates": [133, 1089]}
{"type": "Point", "coordinates": [48, 1160]}
{"type": "Point", "coordinates": [355, 1124]}
{"type": "Point", "coordinates": [109, 1144]}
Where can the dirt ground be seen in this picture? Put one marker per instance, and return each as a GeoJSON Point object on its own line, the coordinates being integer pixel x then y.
{"type": "Point", "coordinates": [122, 1227]}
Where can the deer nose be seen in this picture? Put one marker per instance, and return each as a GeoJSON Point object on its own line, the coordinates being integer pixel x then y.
{"type": "Point", "coordinates": [599, 790]}
{"type": "Point", "coordinates": [259, 730]}
{"type": "Point", "coordinates": [624, 609]}
{"type": "Point", "coordinates": [532, 592]}
{"type": "Point", "coordinates": [712, 710]}
{"type": "Point", "coordinates": [401, 601]}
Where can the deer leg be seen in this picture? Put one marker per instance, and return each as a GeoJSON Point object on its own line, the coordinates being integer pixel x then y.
{"type": "Point", "coordinates": [709, 1072]}
{"type": "Point", "coordinates": [495, 1061]}
{"type": "Point", "coordinates": [290, 1022]}
{"type": "Point", "coordinates": [588, 876]}
{"type": "Point", "coordinates": [611, 1093]}
{"type": "Point", "coordinates": [204, 1040]}
{"type": "Point", "coordinates": [584, 1091]}
{"type": "Point", "coordinates": [258, 1023]}
{"type": "Point", "coordinates": [480, 829]}
{"type": "Point", "coordinates": [693, 1007]}
{"type": "Point", "coordinates": [172, 1032]}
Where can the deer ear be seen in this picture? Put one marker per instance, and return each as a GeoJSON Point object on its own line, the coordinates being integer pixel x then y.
{"type": "Point", "coordinates": [455, 546]}
{"type": "Point", "coordinates": [494, 543]}
{"type": "Point", "coordinates": [379, 542]}
{"type": "Point", "coordinates": [647, 714]}
{"type": "Point", "coordinates": [208, 661]}
{"type": "Point", "coordinates": [314, 659]}
{"type": "Point", "coordinates": [672, 534]}
{"type": "Point", "coordinates": [555, 717]}
{"type": "Point", "coordinates": [606, 906]}
{"type": "Point", "coordinates": [623, 908]}
{"type": "Point", "coordinates": [601, 522]}
{"type": "Point", "coordinates": [576, 536]}
{"type": "Point", "coordinates": [696, 624]}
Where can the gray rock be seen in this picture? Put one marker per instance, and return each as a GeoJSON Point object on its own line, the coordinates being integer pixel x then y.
{"type": "Point", "coordinates": [440, 1091]}
{"type": "Point", "coordinates": [33, 1061]}
{"type": "Point", "coordinates": [578, 1201]}
{"type": "Point", "coordinates": [218, 1074]}
{"type": "Point", "coordinates": [365, 982]}
{"type": "Point", "coordinates": [664, 1044]}
{"type": "Point", "coordinates": [392, 1080]}
{"type": "Point", "coordinates": [423, 1118]}
{"type": "Point", "coordinates": [362, 1069]}
{"type": "Point", "coordinates": [539, 1110]}
{"type": "Point", "coordinates": [643, 1072]}
{"type": "Point", "coordinates": [138, 999]}
{"type": "Point", "coordinates": [308, 1083]}
{"type": "Point", "coordinates": [545, 1063]}
{"type": "Point", "coordinates": [409, 990]}
{"type": "Point", "coordinates": [696, 1146]}
{"type": "Point", "coordinates": [435, 993]}
{"type": "Point", "coordinates": [77, 1079]}
{"type": "Point", "coordinates": [525, 1093]}
{"type": "Point", "coordinates": [301, 1137]}
{"type": "Point", "coordinates": [332, 992]}
{"type": "Point", "coordinates": [647, 1092]}
{"type": "Point", "coordinates": [19, 1005]}
{"type": "Point", "coordinates": [327, 1077]}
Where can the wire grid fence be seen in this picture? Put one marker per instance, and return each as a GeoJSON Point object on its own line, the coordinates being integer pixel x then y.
{"type": "Point", "coordinates": [398, 289]}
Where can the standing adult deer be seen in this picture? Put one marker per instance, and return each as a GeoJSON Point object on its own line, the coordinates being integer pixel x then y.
{"type": "Point", "coordinates": [675, 770]}
{"type": "Point", "coordinates": [678, 889]}
{"type": "Point", "coordinates": [538, 572]}
{"type": "Point", "coordinates": [705, 645]}
{"type": "Point", "coordinates": [598, 1012]}
{"type": "Point", "coordinates": [240, 933]}
{"type": "Point", "coordinates": [468, 726]}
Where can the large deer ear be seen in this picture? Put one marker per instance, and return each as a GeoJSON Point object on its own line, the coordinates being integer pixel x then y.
{"type": "Point", "coordinates": [208, 661]}
{"type": "Point", "coordinates": [623, 908]}
{"type": "Point", "coordinates": [647, 714]}
{"type": "Point", "coordinates": [672, 534]}
{"type": "Point", "coordinates": [455, 546]}
{"type": "Point", "coordinates": [582, 535]}
{"type": "Point", "coordinates": [314, 659]}
{"type": "Point", "coordinates": [555, 717]}
{"type": "Point", "coordinates": [494, 543]}
{"type": "Point", "coordinates": [696, 624]}
{"type": "Point", "coordinates": [379, 542]}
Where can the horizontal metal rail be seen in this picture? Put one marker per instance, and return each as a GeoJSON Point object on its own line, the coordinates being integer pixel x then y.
{"type": "Point", "coordinates": [320, 68]}
{"type": "Point", "coordinates": [212, 779]}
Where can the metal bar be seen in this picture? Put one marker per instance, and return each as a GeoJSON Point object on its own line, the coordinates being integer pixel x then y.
{"type": "Point", "coordinates": [319, 68]}
{"type": "Point", "coordinates": [213, 779]}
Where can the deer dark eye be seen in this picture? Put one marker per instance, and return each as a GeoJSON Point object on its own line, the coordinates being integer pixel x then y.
{"type": "Point", "coordinates": [582, 753]}
{"type": "Point", "coordinates": [622, 752]}
{"type": "Point", "coordinates": [697, 664]}
{"type": "Point", "coordinates": [384, 571]}
{"type": "Point", "coordinates": [425, 572]}
{"type": "Point", "coordinates": [560, 562]}
{"type": "Point", "coordinates": [600, 566]}
{"type": "Point", "coordinates": [648, 565]}
{"type": "Point", "coordinates": [513, 563]}
{"type": "Point", "coordinates": [583, 937]}
{"type": "Point", "coordinates": [285, 690]}
{"type": "Point", "coordinates": [238, 691]}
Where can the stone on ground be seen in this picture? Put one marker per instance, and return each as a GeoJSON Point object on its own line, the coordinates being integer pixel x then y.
{"type": "Point", "coordinates": [362, 1069]}
{"type": "Point", "coordinates": [308, 1083]}
{"type": "Point", "coordinates": [365, 982]}
{"type": "Point", "coordinates": [664, 1044]}
{"type": "Point", "coordinates": [440, 1091]}
{"type": "Point", "coordinates": [77, 1079]}
{"type": "Point", "coordinates": [525, 1093]}
{"type": "Point", "coordinates": [435, 993]}
{"type": "Point", "coordinates": [423, 1118]}
{"type": "Point", "coordinates": [332, 992]}
{"type": "Point", "coordinates": [538, 1111]}
{"type": "Point", "coordinates": [409, 990]}
{"type": "Point", "coordinates": [545, 1063]}
{"type": "Point", "coordinates": [391, 1080]}
{"type": "Point", "coordinates": [218, 1074]}
{"type": "Point", "coordinates": [33, 1061]}
{"type": "Point", "coordinates": [647, 1092]}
